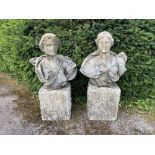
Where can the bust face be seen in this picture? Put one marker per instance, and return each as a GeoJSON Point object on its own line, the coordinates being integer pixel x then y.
{"type": "Point", "coordinates": [104, 45]}
{"type": "Point", "coordinates": [50, 46]}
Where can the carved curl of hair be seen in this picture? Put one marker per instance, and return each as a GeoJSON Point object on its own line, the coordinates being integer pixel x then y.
{"type": "Point", "coordinates": [104, 34]}
{"type": "Point", "coordinates": [47, 35]}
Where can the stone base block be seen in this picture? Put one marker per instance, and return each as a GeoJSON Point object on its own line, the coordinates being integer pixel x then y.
{"type": "Point", "coordinates": [55, 104]}
{"type": "Point", "coordinates": [102, 102]}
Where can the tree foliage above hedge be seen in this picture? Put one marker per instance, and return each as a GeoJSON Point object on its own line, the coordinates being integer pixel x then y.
{"type": "Point", "coordinates": [19, 41]}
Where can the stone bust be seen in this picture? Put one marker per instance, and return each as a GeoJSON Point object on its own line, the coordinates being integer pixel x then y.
{"type": "Point", "coordinates": [104, 67]}
{"type": "Point", "coordinates": [53, 70]}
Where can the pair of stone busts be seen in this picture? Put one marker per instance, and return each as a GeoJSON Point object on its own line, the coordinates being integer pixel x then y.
{"type": "Point", "coordinates": [103, 67]}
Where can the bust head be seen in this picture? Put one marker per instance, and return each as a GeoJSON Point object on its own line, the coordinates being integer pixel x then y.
{"type": "Point", "coordinates": [104, 42]}
{"type": "Point", "coordinates": [49, 44]}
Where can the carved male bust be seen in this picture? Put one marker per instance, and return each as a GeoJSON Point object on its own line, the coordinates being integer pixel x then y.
{"type": "Point", "coordinates": [104, 67]}
{"type": "Point", "coordinates": [53, 70]}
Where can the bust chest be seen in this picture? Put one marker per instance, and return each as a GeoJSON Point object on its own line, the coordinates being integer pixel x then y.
{"type": "Point", "coordinates": [51, 66]}
{"type": "Point", "coordinates": [107, 64]}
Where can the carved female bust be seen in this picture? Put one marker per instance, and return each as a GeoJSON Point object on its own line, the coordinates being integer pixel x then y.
{"type": "Point", "coordinates": [104, 67]}
{"type": "Point", "coordinates": [53, 70]}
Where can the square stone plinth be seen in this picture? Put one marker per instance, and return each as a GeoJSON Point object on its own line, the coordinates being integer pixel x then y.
{"type": "Point", "coordinates": [102, 102]}
{"type": "Point", "coordinates": [55, 104]}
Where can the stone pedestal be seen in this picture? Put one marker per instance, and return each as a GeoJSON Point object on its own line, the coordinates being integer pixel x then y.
{"type": "Point", "coordinates": [55, 104]}
{"type": "Point", "coordinates": [102, 102]}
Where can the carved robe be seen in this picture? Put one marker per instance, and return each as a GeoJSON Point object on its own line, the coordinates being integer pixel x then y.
{"type": "Point", "coordinates": [103, 72]}
{"type": "Point", "coordinates": [54, 77]}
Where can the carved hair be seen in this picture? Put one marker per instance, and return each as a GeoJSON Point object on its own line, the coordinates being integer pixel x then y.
{"type": "Point", "coordinates": [104, 34]}
{"type": "Point", "coordinates": [48, 36]}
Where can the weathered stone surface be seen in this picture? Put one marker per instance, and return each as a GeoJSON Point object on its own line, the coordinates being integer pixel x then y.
{"type": "Point", "coordinates": [102, 102]}
{"type": "Point", "coordinates": [52, 69]}
{"type": "Point", "coordinates": [104, 67]}
{"type": "Point", "coordinates": [55, 104]}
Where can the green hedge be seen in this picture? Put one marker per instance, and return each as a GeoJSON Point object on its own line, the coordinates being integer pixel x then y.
{"type": "Point", "coordinates": [19, 42]}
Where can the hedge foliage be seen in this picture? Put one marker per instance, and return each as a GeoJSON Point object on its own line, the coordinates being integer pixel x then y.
{"type": "Point", "coordinates": [19, 42]}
